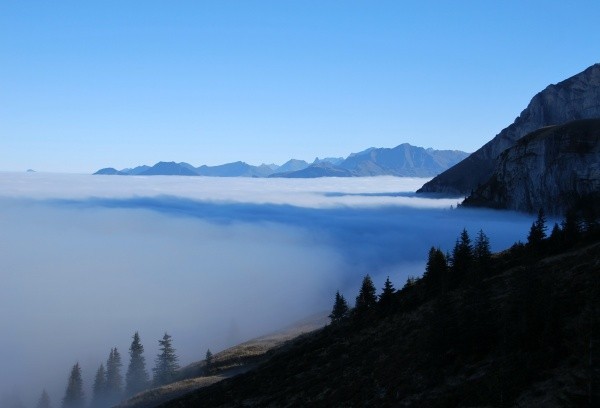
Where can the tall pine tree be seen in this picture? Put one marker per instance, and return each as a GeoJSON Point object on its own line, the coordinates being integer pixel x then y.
{"type": "Point", "coordinates": [367, 297]}
{"type": "Point", "coordinates": [483, 256]}
{"type": "Point", "coordinates": [209, 362]}
{"type": "Point", "coordinates": [462, 258]}
{"type": "Point", "coordinates": [436, 270]}
{"type": "Point", "coordinates": [537, 232]}
{"type": "Point", "coordinates": [386, 299]}
{"type": "Point", "coordinates": [166, 366]}
{"type": "Point", "coordinates": [44, 401]}
{"type": "Point", "coordinates": [340, 308]}
{"type": "Point", "coordinates": [99, 399]}
{"type": "Point", "coordinates": [74, 397]}
{"type": "Point", "coordinates": [136, 378]}
{"type": "Point", "coordinates": [114, 380]}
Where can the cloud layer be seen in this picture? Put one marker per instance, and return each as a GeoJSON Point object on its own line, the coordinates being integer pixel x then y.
{"type": "Point", "coordinates": [85, 261]}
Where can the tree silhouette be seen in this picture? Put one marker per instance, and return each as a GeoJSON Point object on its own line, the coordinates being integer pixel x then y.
{"type": "Point", "coordinates": [462, 258]}
{"type": "Point", "coordinates": [367, 298]}
{"type": "Point", "coordinates": [44, 401]}
{"type": "Point", "coordinates": [483, 256]}
{"type": "Point", "coordinates": [340, 308]}
{"type": "Point", "coordinates": [386, 299]}
{"type": "Point", "coordinates": [209, 361]}
{"type": "Point", "coordinates": [99, 389]}
{"type": "Point", "coordinates": [136, 379]}
{"type": "Point", "coordinates": [74, 397]}
{"type": "Point", "coordinates": [166, 365]}
{"type": "Point", "coordinates": [537, 232]}
{"type": "Point", "coordinates": [436, 270]}
{"type": "Point", "coordinates": [114, 380]}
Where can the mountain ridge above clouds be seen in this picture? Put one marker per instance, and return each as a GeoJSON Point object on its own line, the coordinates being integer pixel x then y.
{"type": "Point", "coordinates": [574, 98]}
{"type": "Point", "coordinates": [403, 160]}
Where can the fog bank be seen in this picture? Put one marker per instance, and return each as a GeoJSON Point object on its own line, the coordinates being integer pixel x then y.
{"type": "Point", "coordinates": [85, 261]}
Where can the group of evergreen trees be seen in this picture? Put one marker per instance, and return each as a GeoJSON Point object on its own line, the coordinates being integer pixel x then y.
{"type": "Point", "coordinates": [367, 301]}
{"type": "Point", "coordinates": [108, 387]}
{"type": "Point", "coordinates": [462, 319]}
{"type": "Point", "coordinates": [467, 263]}
{"type": "Point", "coordinates": [443, 272]}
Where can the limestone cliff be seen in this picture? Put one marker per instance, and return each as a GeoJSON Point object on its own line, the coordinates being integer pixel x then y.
{"type": "Point", "coordinates": [575, 98]}
{"type": "Point", "coordinates": [554, 168]}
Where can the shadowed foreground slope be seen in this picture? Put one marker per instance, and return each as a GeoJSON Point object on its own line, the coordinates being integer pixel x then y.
{"type": "Point", "coordinates": [520, 334]}
{"type": "Point", "coordinates": [225, 364]}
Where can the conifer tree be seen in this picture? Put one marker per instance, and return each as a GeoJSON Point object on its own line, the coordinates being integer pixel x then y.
{"type": "Point", "coordinates": [44, 401]}
{"type": "Point", "coordinates": [136, 378]}
{"type": "Point", "coordinates": [99, 399]}
{"type": "Point", "coordinates": [537, 232]}
{"type": "Point", "coordinates": [462, 257]}
{"type": "Point", "coordinates": [166, 365]}
{"type": "Point", "coordinates": [209, 361]}
{"type": "Point", "coordinates": [571, 228]}
{"type": "Point", "coordinates": [74, 397]}
{"type": "Point", "coordinates": [367, 298]}
{"type": "Point", "coordinates": [482, 249]}
{"type": "Point", "coordinates": [436, 270]}
{"type": "Point", "coordinates": [482, 254]}
{"type": "Point", "coordinates": [114, 380]}
{"type": "Point", "coordinates": [555, 234]}
{"type": "Point", "coordinates": [386, 299]}
{"type": "Point", "coordinates": [340, 308]}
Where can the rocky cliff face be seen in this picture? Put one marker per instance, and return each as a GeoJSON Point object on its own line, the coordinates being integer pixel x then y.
{"type": "Point", "coordinates": [553, 168]}
{"type": "Point", "coordinates": [575, 98]}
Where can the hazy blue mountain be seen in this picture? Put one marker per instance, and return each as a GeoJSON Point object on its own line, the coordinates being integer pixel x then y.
{"type": "Point", "coordinates": [169, 169]}
{"type": "Point", "coordinates": [402, 160]}
{"type": "Point", "coordinates": [136, 170]}
{"type": "Point", "coordinates": [332, 160]}
{"type": "Point", "coordinates": [236, 169]}
{"type": "Point", "coordinates": [292, 165]}
{"type": "Point", "coordinates": [361, 152]}
{"type": "Point", "coordinates": [188, 166]}
{"type": "Point", "coordinates": [323, 169]}
{"type": "Point", "coordinates": [109, 171]}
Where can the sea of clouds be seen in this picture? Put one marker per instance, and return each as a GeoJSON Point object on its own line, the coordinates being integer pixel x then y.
{"type": "Point", "coordinates": [87, 260]}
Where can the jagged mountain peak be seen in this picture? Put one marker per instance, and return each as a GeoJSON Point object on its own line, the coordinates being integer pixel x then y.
{"type": "Point", "coordinates": [577, 97]}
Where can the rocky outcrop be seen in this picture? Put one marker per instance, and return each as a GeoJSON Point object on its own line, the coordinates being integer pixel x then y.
{"type": "Point", "coordinates": [555, 168]}
{"type": "Point", "coordinates": [575, 98]}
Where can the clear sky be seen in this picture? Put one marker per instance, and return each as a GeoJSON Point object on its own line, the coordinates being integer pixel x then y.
{"type": "Point", "coordinates": [90, 84]}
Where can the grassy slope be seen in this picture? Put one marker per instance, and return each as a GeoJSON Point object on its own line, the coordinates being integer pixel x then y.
{"type": "Point", "coordinates": [227, 363]}
{"type": "Point", "coordinates": [520, 337]}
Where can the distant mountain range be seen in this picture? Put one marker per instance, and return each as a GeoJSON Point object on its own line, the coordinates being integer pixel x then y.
{"type": "Point", "coordinates": [404, 160]}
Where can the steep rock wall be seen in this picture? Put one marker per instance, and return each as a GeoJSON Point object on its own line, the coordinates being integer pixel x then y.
{"type": "Point", "coordinates": [575, 98]}
{"type": "Point", "coordinates": [553, 168]}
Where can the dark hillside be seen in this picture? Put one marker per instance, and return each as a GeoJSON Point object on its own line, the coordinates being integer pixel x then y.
{"type": "Point", "coordinates": [513, 329]}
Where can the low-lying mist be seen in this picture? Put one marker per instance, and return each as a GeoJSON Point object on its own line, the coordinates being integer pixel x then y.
{"type": "Point", "coordinates": [85, 261]}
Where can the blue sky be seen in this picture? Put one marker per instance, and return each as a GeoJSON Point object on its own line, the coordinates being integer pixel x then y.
{"type": "Point", "coordinates": [85, 85]}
